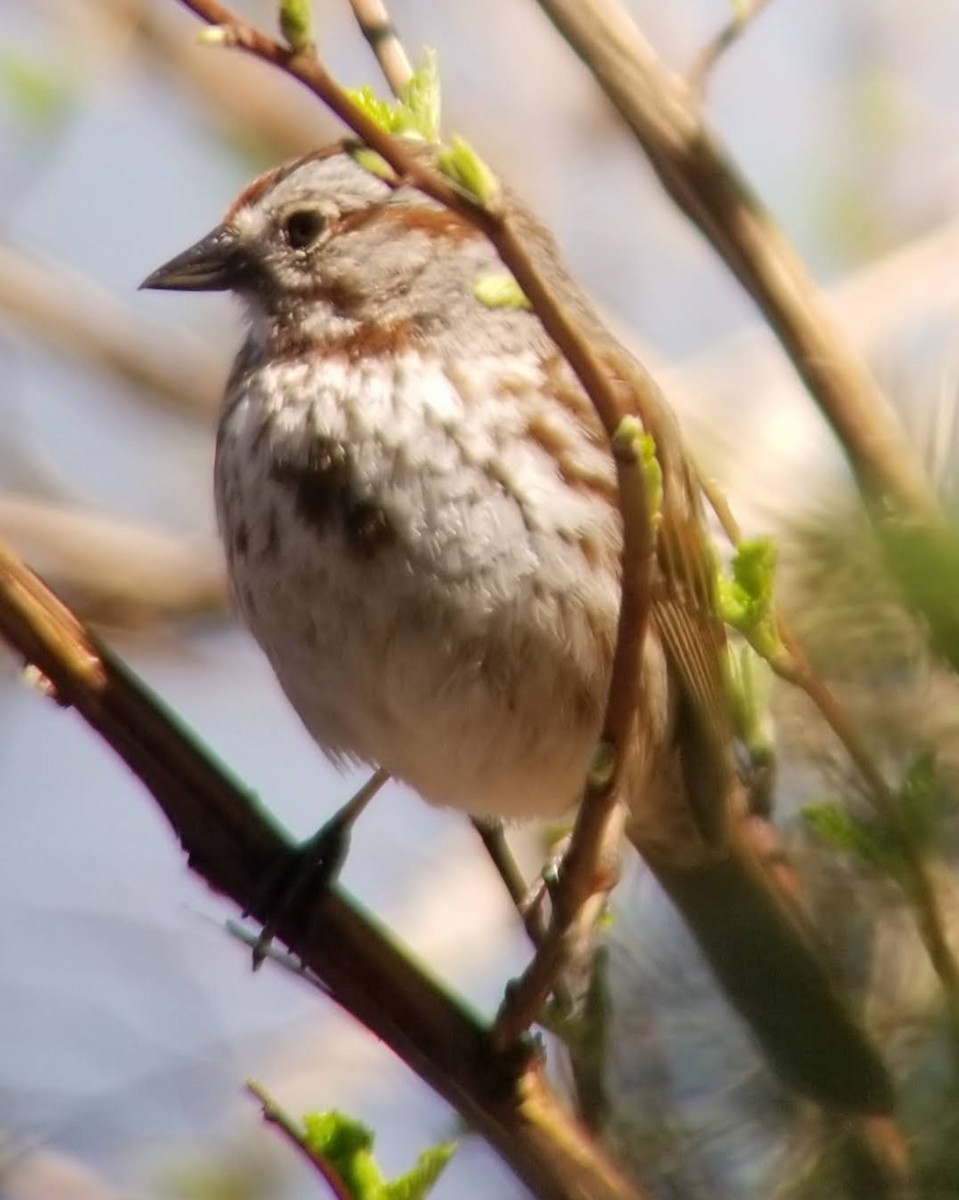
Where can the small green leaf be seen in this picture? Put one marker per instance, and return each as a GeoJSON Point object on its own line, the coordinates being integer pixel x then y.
{"type": "Point", "coordinates": [381, 112]}
{"type": "Point", "coordinates": [421, 98]}
{"type": "Point", "coordinates": [460, 163]}
{"type": "Point", "coordinates": [347, 1145]}
{"type": "Point", "coordinates": [632, 443]}
{"type": "Point", "coordinates": [746, 595]}
{"type": "Point", "coordinates": [375, 163]}
{"type": "Point", "coordinates": [499, 289]}
{"type": "Point", "coordinates": [296, 23]}
{"type": "Point", "coordinates": [654, 478]}
{"type": "Point", "coordinates": [417, 112]}
{"type": "Point", "coordinates": [416, 1183]}
{"type": "Point", "coordinates": [750, 681]}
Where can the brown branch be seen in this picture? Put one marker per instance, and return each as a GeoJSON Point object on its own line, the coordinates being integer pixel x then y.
{"type": "Point", "coordinates": [274, 1115]}
{"type": "Point", "coordinates": [249, 106]}
{"type": "Point", "coordinates": [73, 314]}
{"type": "Point", "coordinates": [702, 180]}
{"type": "Point", "coordinates": [234, 845]}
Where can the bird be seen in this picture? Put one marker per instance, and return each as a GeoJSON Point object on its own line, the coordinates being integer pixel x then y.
{"type": "Point", "coordinates": [419, 511]}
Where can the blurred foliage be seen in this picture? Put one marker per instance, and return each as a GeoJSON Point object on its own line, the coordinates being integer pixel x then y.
{"type": "Point", "coordinates": [416, 112]}
{"type": "Point", "coordinates": [37, 91]}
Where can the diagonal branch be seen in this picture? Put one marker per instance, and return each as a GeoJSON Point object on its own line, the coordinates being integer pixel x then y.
{"type": "Point", "coordinates": [704, 183]}
{"type": "Point", "coordinates": [233, 844]}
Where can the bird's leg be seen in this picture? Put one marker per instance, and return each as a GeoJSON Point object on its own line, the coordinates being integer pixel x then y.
{"type": "Point", "coordinates": [314, 863]}
{"type": "Point", "coordinates": [578, 892]}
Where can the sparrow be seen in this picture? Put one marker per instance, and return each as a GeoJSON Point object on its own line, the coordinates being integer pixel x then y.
{"type": "Point", "coordinates": [419, 511]}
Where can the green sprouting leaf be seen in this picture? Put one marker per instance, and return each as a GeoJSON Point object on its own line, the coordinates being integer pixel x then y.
{"type": "Point", "coordinates": [416, 114]}
{"type": "Point", "coordinates": [421, 98]}
{"type": "Point", "coordinates": [872, 844]}
{"type": "Point", "coordinates": [418, 1181]}
{"type": "Point", "coordinates": [347, 1145]}
{"type": "Point", "coordinates": [498, 289]}
{"type": "Point", "coordinates": [654, 477]}
{"type": "Point", "coordinates": [296, 23]}
{"type": "Point", "coordinates": [750, 680]}
{"type": "Point", "coordinates": [38, 93]}
{"type": "Point", "coordinates": [459, 162]}
{"type": "Point", "coordinates": [375, 163]}
{"type": "Point", "coordinates": [633, 442]}
{"type": "Point", "coordinates": [746, 595]}
{"type": "Point", "coordinates": [381, 112]}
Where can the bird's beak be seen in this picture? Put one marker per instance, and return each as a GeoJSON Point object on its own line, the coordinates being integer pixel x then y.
{"type": "Point", "coordinates": [215, 263]}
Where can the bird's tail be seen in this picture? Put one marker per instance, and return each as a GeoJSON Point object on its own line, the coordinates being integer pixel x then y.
{"type": "Point", "coordinates": [766, 959]}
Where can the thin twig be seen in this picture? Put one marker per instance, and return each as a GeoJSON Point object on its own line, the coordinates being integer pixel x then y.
{"type": "Point", "coordinates": [589, 871]}
{"type": "Point", "coordinates": [703, 181]}
{"type": "Point", "coordinates": [234, 845]}
{"type": "Point", "coordinates": [794, 668]}
{"type": "Point", "coordinates": [274, 1115]}
{"type": "Point", "coordinates": [744, 14]}
{"type": "Point", "coordinates": [494, 842]}
{"type": "Point", "coordinates": [378, 29]}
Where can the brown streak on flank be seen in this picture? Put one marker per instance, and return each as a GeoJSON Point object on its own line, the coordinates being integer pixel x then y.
{"type": "Point", "coordinates": [561, 449]}
{"type": "Point", "coordinates": [560, 381]}
{"type": "Point", "coordinates": [590, 549]}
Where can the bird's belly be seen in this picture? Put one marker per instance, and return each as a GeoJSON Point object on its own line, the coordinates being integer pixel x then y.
{"type": "Point", "coordinates": [423, 623]}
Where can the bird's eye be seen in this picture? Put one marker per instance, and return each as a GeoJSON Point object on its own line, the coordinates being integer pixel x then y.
{"type": "Point", "coordinates": [302, 227]}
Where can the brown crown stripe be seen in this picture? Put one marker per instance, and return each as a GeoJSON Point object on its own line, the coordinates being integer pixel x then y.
{"type": "Point", "coordinates": [436, 222]}
{"type": "Point", "coordinates": [258, 187]}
